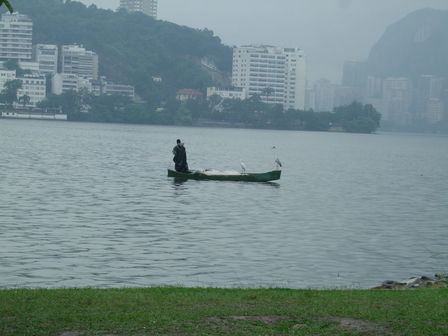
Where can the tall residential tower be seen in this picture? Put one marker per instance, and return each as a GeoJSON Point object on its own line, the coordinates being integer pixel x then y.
{"type": "Point", "coordinates": [148, 7]}
{"type": "Point", "coordinates": [277, 75]}
{"type": "Point", "coordinates": [16, 37]}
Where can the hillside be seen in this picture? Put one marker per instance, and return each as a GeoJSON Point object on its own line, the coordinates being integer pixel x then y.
{"type": "Point", "coordinates": [132, 47]}
{"type": "Point", "coordinates": [416, 45]}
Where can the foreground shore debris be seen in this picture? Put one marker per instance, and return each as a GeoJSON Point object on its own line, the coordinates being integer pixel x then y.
{"type": "Point", "coordinates": [424, 282]}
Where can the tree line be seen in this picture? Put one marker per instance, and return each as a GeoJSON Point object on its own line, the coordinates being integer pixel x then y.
{"type": "Point", "coordinates": [251, 113]}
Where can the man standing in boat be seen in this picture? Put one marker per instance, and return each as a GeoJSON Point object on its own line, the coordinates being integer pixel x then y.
{"type": "Point", "coordinates": [180, 157]}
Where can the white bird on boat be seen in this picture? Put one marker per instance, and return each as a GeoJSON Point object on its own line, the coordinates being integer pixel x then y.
{"type": "Point", "coordinates": [279, 164]}
{"type": "Point", "coordinates": [243, 167]}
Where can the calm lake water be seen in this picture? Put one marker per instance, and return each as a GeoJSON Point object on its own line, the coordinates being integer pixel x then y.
{"type": "Point", "coordinates": [90, 205]}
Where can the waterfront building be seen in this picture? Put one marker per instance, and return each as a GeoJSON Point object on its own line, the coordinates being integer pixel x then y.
{"type": "Point", "coordinates": [324, 95]}
{"type": "Point", "coordinates": [29, 65]}
{"type": "Point", "coordinates": [310, 98]}
{"type": "Point", "coordinates": [64, 82]}
{"type": "Point", "coordinates": [188, 94]}
{"type": "Point", "coordinates": [434, 110]}
{"type": "Point", "coordinates": [16, 37]}
{"type": "Point", "coordinates": [397, 94]}
{"type": "Point", "coordinates": [46, 56]}
{"type": "Point", "coordinates": [113, 89]}
{"type": "Point", "coordinates": [354, 74]}
{"type": "Point", "coordinates": [277, 75]}
{"type": "Point", "coordinates": [103, 86]}
{"type": "Point", "coordinates": [374, 87]}
{"type": "Point", "coordinates": [39, 115]}
{"type": "Point", "coordinates": [228, 93]}
{"type": "Point", "coordinates": [5, 76]}
{"type": "Point", "coordinates": [429, 98]}
{"type": "Point", "coordinates": [148, 7]}
{"type": "Point", "coordinates": [79, 61]}
{"type": "Point", "coordinates": [34, 87]}
{"type": "Point", "coordinates": [445, 104]}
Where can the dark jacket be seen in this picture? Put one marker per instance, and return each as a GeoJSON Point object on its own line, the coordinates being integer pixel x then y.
{"type": "Point", "coordinates": [180, 158]}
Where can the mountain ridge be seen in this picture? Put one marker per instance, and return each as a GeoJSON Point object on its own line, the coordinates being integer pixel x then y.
{"type": "Point", "coordinates": [413, 46]}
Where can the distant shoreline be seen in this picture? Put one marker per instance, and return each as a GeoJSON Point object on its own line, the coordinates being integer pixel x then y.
{"type": "Point", "coordinates": [227, 125]}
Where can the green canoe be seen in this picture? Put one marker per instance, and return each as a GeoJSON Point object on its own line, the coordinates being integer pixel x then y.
{"type": "Point", "coordinates": [222, 176]}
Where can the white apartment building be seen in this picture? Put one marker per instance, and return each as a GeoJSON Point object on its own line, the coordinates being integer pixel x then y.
{"type": "Point", "coordinates": [277, 75]}
{"type": "Point", "coordinates": [29, 65]}
{"type": "Point", "coordinates": [434, 110]}
{"type": "Point", "coordinates": [79, 61]}
{"type": "Point", "coordinates": [148, 7]}
{"type": "Point", "coordinates": [6, 75]}
{"type": "Point", "coordinates": [64, 82]}
{"type": "Point", "coordinates": [33, 86]}
{"type": "Point", "coordinates": [324, 95]}
{"type": "Point", "coordinates": [397, 92]}
{"type": "Point", "coordinates": [231, 93]}
{"type": "Point", "coordinates": [16, 37]}
{"type": "Point", "coordinates": [113, 89]}
{"type": "Point", "coordinates": [46, 55]}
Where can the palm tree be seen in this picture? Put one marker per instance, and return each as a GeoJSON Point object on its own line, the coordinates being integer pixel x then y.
{"type": "Point", "coordinates": [7, 4]}
{"type": "Point", "coordinates": [267, 92]}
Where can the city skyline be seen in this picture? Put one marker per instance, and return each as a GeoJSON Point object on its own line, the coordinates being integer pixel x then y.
{"type": "Point", "coordinates": [328, 31]}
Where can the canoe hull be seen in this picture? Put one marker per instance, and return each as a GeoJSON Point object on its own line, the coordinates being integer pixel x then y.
{"type": "Point", "coordinates": [199, 175]}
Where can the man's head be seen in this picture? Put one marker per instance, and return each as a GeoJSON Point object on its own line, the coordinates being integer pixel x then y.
{"type": "Point", "coordinates": [178, 141]}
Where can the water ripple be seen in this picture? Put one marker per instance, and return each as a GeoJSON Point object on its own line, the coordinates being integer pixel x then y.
{"type": "Point", "coordinates": [96, 208]}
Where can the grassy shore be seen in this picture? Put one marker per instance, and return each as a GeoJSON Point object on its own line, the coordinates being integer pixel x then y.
{"type": "Point", "coordinates": [184, 311]}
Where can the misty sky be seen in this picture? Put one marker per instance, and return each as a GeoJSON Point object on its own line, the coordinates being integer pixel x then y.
{"type": "Point", "coordinates": [330, 31]}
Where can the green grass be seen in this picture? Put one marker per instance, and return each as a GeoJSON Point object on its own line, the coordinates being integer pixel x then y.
{"type": "Point", "coordinates": [184, 311]}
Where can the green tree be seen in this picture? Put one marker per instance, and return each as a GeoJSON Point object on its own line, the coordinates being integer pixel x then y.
{"type": "Point", "coordinates": [9, 94]}
{"type": "Point", "coordinates": [357, 118]}
{"type": "Point", "coordinates": [183, 116]}
{"type": "Point", "coordinates": [68, 102]}
{"type": "Point", "coordinates": [7, 4]}
{"type": "Point", "coordinates": [13, 64]}
{"type": "Point", "coordinates": [24, 100]}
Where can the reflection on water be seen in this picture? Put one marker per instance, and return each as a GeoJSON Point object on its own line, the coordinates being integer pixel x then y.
{"type": "Point", "coordinates": [91, 205]}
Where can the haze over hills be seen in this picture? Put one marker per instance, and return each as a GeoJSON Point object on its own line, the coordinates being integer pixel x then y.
{"type": "Point", "coordinates": [408, 72]}
{"type": "Point", "coordinates": [133, 48]}
{"type": "Point", "coordinates": [416, 45]}
{"type": "Point", "coordinates": [329, 31]}
{"type": "Point", "coordinates": [404, 77]}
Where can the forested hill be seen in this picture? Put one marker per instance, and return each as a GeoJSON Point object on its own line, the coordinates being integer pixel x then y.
{"type": "Point", "coordinates": [416, 45]}
{"type": "Point", "coordinates": [132, 46]}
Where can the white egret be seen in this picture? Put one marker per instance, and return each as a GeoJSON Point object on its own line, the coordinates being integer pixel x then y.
{"type": "Point", "coordinates": [243, 167]}
{"type": "Point", "coordinates": [279, 164]}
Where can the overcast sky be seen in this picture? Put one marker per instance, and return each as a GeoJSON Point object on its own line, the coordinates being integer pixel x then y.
{"type": "Point", "coordinates": [329, 31]}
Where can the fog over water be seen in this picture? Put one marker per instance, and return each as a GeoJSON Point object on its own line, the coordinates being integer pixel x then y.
{"type": "Point", "coordinates": [330, 31]}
